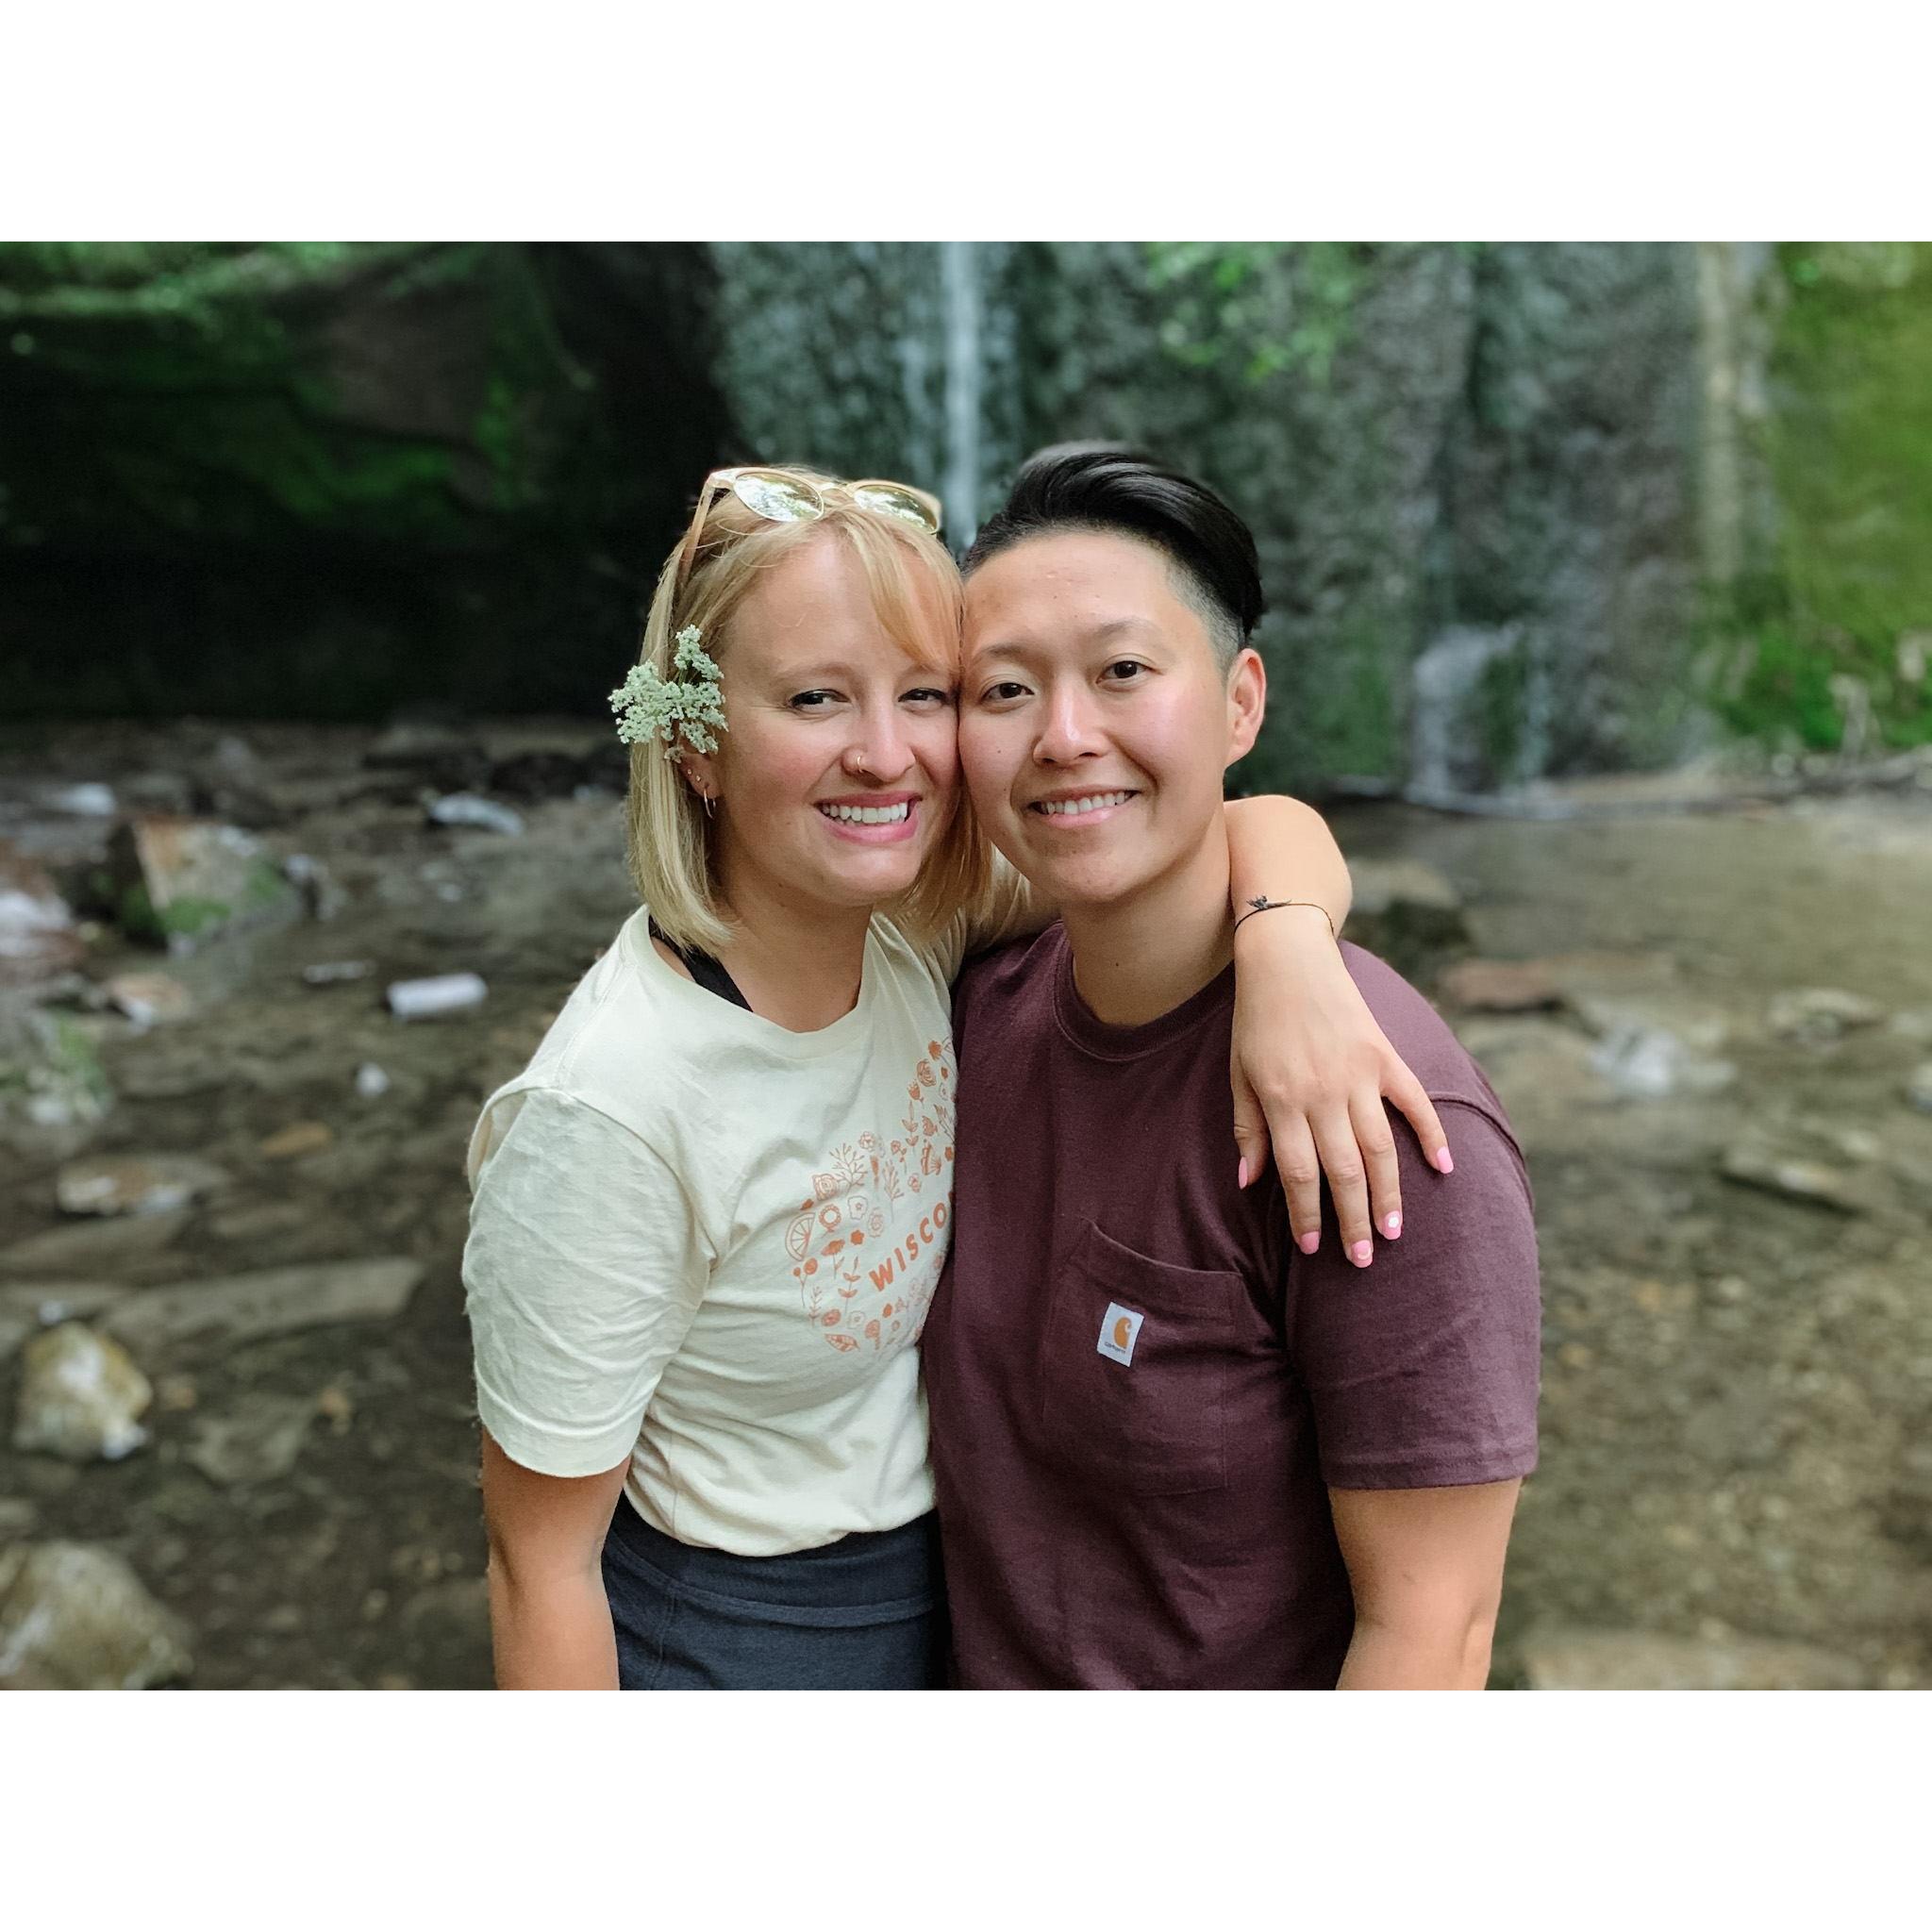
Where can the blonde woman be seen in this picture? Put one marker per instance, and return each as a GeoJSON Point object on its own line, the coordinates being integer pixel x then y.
{"type": "Point", "coordinates": [708, 1217]}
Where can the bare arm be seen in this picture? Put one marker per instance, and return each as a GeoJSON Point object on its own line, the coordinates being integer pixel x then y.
{"type": "Point", "coordinates": [549, 1619]}
{"type": "Point", "coordinates": [1426, 1569]}
{"type": "Point", "coordinates": [1311, 1065]}
{"type": "Point", "coordinates": [1283, 849]}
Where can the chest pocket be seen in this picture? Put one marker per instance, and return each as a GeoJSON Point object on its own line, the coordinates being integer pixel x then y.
{"type": "Point", "coordinates": [1153, 1423]}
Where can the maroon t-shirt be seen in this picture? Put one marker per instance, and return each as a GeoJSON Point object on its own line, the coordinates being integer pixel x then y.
{"type": "Point", "coordinates": [1142, 1391]}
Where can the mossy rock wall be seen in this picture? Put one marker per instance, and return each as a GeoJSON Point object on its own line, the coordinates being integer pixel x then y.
{"type": "Point", "coordinates": [1490, 449]}
{"type": "Point", "coordinates": [1314, 386]}
{"type": "Point", "coordinates": [1430, 442]}
{"type": "Point", "coordinates": [1826, 642]}
{"type": "Point", "coordinates": [326, 478]}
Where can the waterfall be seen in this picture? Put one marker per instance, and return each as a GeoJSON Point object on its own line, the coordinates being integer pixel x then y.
{"type": "Point", "coordinates": [960, 299]}
{"type": "Point", "coordinates": [1451, 755]}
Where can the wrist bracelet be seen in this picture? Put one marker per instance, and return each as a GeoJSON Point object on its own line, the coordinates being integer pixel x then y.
{"type": "Point", "coordinates": [1264, 904]}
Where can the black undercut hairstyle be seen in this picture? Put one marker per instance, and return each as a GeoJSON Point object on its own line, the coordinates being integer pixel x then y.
{"type": "Point", "coordinates": [1112, 488]}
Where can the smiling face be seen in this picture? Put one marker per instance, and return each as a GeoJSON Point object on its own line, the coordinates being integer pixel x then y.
{"type": "Point", "coordinates": [1096, 722]}
{"type": "Point", "coordinates": [837, 773]}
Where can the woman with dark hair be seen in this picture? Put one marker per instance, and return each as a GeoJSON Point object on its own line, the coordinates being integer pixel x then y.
{"type": "Point", "coordinates": [1171, 1447]}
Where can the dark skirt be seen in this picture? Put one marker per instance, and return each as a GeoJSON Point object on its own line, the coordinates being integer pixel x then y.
{"type": "Point", "coordinates": [864, 1613]}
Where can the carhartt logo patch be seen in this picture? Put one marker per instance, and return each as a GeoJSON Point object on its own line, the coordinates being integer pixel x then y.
{"type": "Point", "coordinates": [1118, 1333]}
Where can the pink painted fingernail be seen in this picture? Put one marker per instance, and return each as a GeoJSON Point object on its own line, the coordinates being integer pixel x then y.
{"type": "Point", "coordinates": [1309, 1243]}
{"type": "Point", "coordinates": [1443, 1161]}
{"type": "Point", "coordinates": [1361, 1254]}
{"type": "Point", "coordinates": [1240, 1175]}
{"type": "Point", "coordinates": [1392, 1227]}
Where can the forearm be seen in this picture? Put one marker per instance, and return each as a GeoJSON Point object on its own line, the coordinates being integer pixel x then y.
{"type": "Point", "coordinates": [1282, 849]}
{"type": "Point", "coordinates": [553, 1632]}
{"type": "Point", "coordinates": [1438, 1655]}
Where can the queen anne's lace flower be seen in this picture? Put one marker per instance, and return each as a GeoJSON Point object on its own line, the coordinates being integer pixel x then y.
{"type": "Point", "coordinates": [690, 702]}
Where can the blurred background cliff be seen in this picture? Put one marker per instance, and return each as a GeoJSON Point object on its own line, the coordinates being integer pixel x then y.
{"type": "Point", "coordinates": [1523, 509]}
{"type": "Point", "coordinates": [1601, 612]}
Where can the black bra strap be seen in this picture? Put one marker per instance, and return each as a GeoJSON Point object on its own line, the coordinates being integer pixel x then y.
{"type": "Point", "coordinates": [705, 970]}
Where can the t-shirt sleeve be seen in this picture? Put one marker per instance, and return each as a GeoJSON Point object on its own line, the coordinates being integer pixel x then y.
{"type": "Point", "coordinates": [1423, 1368]}
{"type": "Point", "coordinates": [582, 1272]}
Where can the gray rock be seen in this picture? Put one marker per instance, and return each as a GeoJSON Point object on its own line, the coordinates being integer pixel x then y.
{"type": "Point", "coordinates": [371, 1083]}
{"type": "Point", "coordinates": [1919, 1087]}
{"type": "Point", "coordinates": [260, 1221]}
{"type": "Point", "coordinates": [182, 881]}
{"type": "Point", "coordinates": [1382, 884]}
{"type": "Point", "coordinates": [134, 1184]}
{"type": "Point", "coordinates": [1794, 1177]}
{"type": "Point", "coordinates": [38, 939]}
{"type": "Point", "coordinates": [1581, 1659]}
{"type": "Point", "coordinates": [149, 999]}
{"type": "Point", "coordinates": [334, 972]}
{"type": "Point", "coordinates": [53, 1092]}
{"type": "Point", "coordinates": [1818, 1014]}
{"type": "Point", "coordinates": [271, 1300]}
{"type": "Point", "coordinates": [1534, 1062]}
{"type": "Point", "coordinates": [1700, 1026]}
{"type": "Point", "coordinates": [174, 1075]}
{"type": "Point", "coordinates": [257, 1442]}
{"type": "Point", "coordinates": [1501, 985]}
{"type": "Point", "coordinates": [95, 1247]}
{"type": "Point", "coordinates": [81, 1396]}
{"type": "Point", "coordinates": [27, 1307]}
{"type": "Point", "coordinates": [323, 899]}
{"type": "Point", "coordinates": [1652, 1063]}
{"type": "Point", "coordinates": [455, 1614]}
{"type": "Point", "coordinates": [74, 1617]}
{"type": "Point", "coordinates": [81, 801]}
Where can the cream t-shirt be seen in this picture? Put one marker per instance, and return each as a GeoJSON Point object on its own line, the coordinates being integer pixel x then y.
{"type": "Point", "coordinates": [709, 1243]}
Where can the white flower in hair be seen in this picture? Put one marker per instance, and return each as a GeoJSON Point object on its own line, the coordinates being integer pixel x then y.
{"type": "Point", "coordinates": [689, 702]}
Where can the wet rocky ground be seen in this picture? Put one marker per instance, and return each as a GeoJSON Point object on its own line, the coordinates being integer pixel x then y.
{"type": "Point", "coordinates": [1709, 1048]}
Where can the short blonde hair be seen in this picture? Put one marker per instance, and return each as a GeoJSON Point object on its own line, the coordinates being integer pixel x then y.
{"type": "Point", "coordinates": [914, 589]}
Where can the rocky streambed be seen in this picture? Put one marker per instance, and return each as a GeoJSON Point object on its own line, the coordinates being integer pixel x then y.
{"type": "Point", "coordinates": [237, 1441]}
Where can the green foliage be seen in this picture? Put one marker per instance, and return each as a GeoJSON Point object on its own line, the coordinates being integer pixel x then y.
{"type": "Point", "coordinates": [1250, 309]}
{"type": "Point", "coordinates": [1846, 622]}
{"type": "Point", "coordinates": [1502, 712]}
{"type": "Point", "coordinates": [79, 1061]}
{"type": "Point", "coordinates": [200, 398]}
{"type": "Point", "coordinates": [1781, 690]}
{"type": "Point", "coordinates": [194, 282]}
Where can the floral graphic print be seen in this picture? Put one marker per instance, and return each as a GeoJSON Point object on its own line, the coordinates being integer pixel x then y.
{"type": "Point", "coordinates": [867, 1248]}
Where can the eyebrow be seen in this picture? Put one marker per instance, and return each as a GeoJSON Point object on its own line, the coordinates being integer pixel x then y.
{"type": "Point", "coordinates": [800, 676]}
{"type": "Point", "coordinates": [1106, 632]}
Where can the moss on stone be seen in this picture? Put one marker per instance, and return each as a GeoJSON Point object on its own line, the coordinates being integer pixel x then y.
{"type": "Point", "coordinates": [1850, 449]}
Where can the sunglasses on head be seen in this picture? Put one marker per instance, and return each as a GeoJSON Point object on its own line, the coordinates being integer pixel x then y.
{"type": "Point", "coordinates": [783, 496]}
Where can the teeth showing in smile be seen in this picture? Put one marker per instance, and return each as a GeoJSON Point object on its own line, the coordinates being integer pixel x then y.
{"type": "Point", "coordinates": [1071, 808]}
{"type": "Point", "coordinates": [866, 814]}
